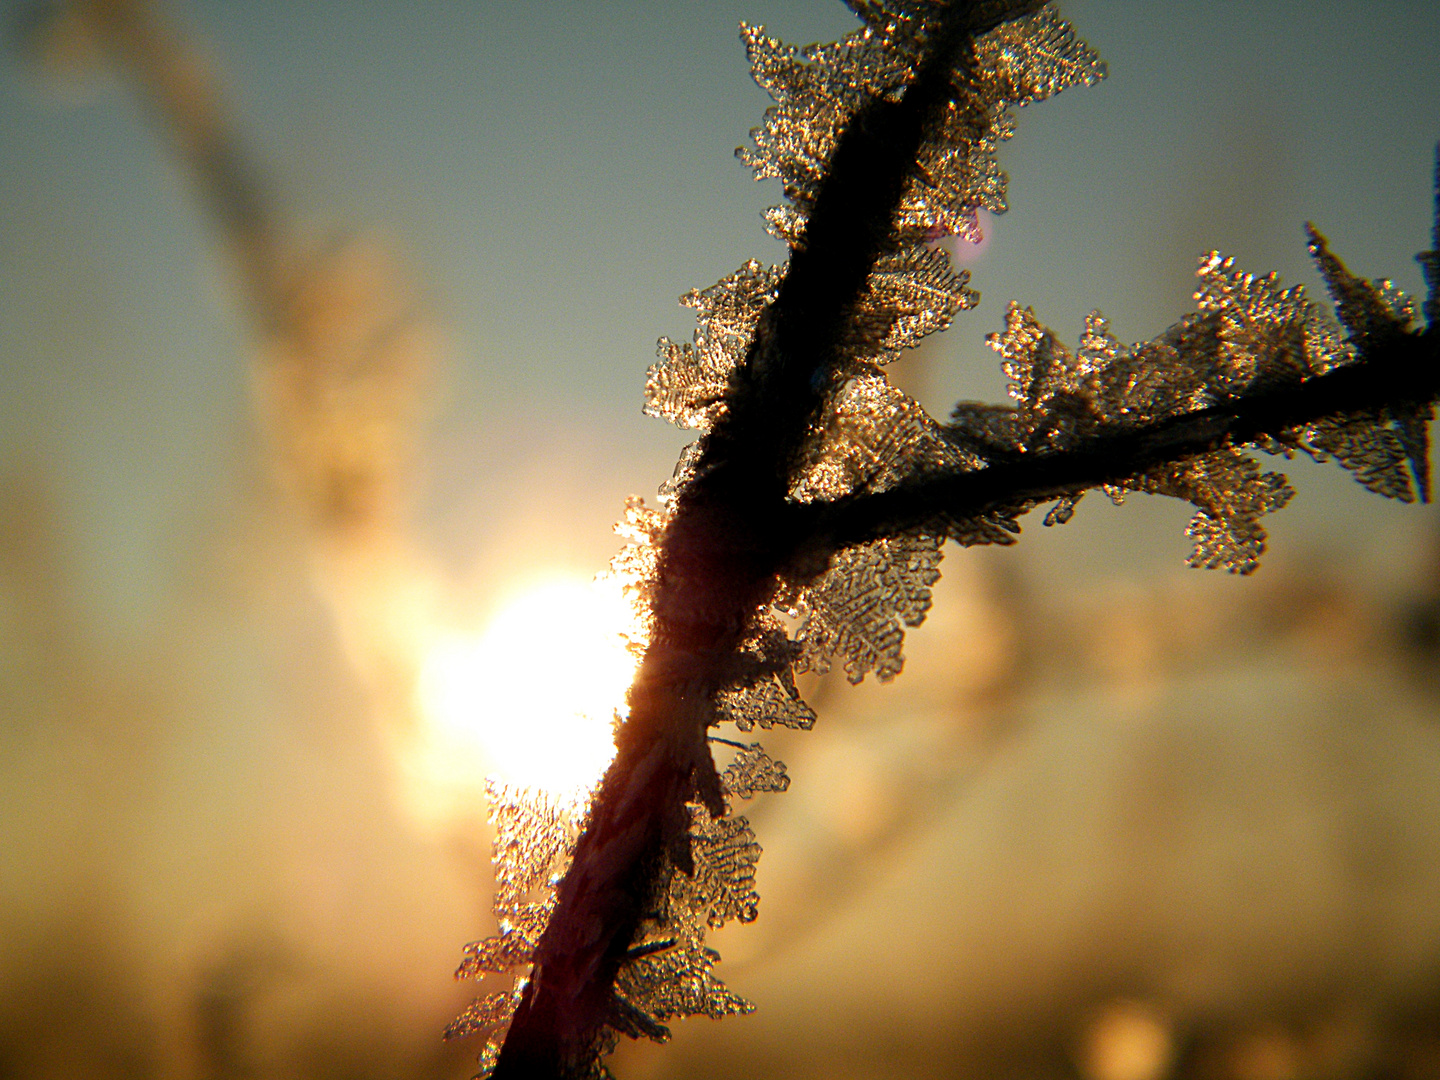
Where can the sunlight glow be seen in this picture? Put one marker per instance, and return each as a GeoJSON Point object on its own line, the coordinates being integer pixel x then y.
{"type": "Point", "coordinates": [537, 692]}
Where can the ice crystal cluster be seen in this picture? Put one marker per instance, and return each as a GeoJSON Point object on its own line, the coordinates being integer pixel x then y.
{"type": "Point", "coordinates": [1248, 338]}
{"type": "Point", "coordinates": [535, 834]}
{"type": "Point", "coordinates": [667, 973]}
{"type": "Point", "coordinates": [874, 436]}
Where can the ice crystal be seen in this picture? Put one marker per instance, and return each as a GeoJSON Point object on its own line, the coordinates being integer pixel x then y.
{"type": "Point", "coordinates": [484, 1013]}
{"type": "Point", "coordinates": [632, 569]}
{"type": "Point", "coordinates": [997, 527]}
{"type": "Point", "coordinates": [1261, 333]}
{"type": "Point", "coordinates": [673, 980]}
{"type": "Point", "coordinates": [723, 884]}
{"type": "Point", "coordinates": [818, 90]}
{"type": "Point", "coordinates": [751, 771]}
{"type": "Point", "coordinates": [766, 704]}
{"type": "Point", "coordinates": [535, 834]}
{"type": "Point", "coordinates": [912, 293]}
{"type": "Point", "coordinates": [875, 435]}
{"type": "Point", "coordinates": [668, 971]}
{"type": "Point", "coordinates": [1231, 495]}
{"type": "Point", "coordinates": [1368, 309]}
{"type": "Point", "coordinates": [1062, 511]}
{"type": "Point", "coordinates": [684, 471]}
{"type": "Point", "coordinates": [534, 831]}
{"type": "Point", "coordinates": [1364, 444]}
{"type": "Point", "coordinates": [1058, 391]}
{"type": "Point", "coordinates": [513, 948]}
{"type": "Point", "coordinates": [1411, 425]}
{"type": "Point", "coordinates": [1035, 57]}
{"type": "Point", "coordinates": [687, 385]}
{"type": "Point", "coordinates": [763, 693]}
{"type": "Point", "coordinates": [1377, 447]}
{"type": "Point", "coordinates": [858, 610]}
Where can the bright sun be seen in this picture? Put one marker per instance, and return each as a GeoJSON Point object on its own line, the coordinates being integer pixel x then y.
{"type": "Point", "coordinates": [537, 692]}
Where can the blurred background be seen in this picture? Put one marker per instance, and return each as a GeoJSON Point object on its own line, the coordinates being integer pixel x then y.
{"type": "Point", "coordinates": [323, 329]}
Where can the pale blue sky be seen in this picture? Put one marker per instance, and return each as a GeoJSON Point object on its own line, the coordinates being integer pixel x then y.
{"type": "Point", "coordinates": [558, 173]}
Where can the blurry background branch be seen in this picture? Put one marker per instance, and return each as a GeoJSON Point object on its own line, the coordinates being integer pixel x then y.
{"type": "Point", "coordinates": [346, 354]}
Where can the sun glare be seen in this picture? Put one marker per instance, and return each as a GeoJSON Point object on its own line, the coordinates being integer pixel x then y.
{"type": "Point", "coordinates": [536, 693]}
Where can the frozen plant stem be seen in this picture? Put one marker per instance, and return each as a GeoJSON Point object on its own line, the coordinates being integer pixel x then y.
{"type": "Point", "coordinates": [719, 558]}
{"type": "Point", "coordinates": [818, 488]}
{"type": "Point", "coordinates": [1402, 371]}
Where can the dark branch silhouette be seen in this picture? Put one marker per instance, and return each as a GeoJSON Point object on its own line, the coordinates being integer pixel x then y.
{"type": "Point", "coordinates": [719, 559]}
{"type": "Point", "coordinates": [1401, 371]}
{"type": "Point", "coordinates": [819, 488]}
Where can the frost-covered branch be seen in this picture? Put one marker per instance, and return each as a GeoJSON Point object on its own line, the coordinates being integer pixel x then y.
{"type": "Point", "coordinates": [818, 488]}
{"type": "Point", "coordinates": [1398, 376]}
{"type": "Point", "coordinates": [1255, 367]}
{"type": "Point", "coordinates": [717, 559]}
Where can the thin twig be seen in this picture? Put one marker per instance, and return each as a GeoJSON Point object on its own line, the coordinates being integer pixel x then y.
{"type": "Point", "coordinates": [1402, 370]}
